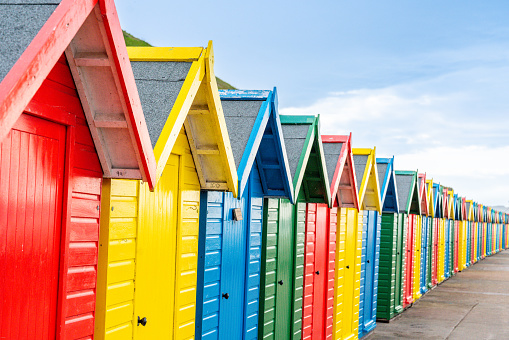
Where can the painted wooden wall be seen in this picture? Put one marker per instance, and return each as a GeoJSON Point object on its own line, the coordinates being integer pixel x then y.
{"type": "Point", "coordinates": [148, 254]}
{"type": "Point", "coordinates": [229, 263]}
{"type": "Point", "coordinates": [348, 274]}
{"type": "Point", "coordinates": [76, 237]}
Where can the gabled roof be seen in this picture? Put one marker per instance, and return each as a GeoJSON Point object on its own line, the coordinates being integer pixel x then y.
{"type": "Point", "coordinates": [408, 194]}
{"type": "Point", "coordinates": [35, 34]}
{"type": "Point", "coordinates": [338, 155]}
{"type": "Point", "coordinates": [256, 136]}
{"type": "Point", "coordinates": [464, 216]}
{"type": "Point", "coordinates": [451, 204]}
{"type": "Point", "coordinates": [446, 201]}
{"type": "Point", "coordinates": [421, 185]}
{"type": "Point", "coordinates": [457, 207]}
{"type": "Point", "coordinates": [306, 159]}
{"type": "Point", "coordinates": [178, 88]}
{"type": "Point", "coordinates": [475, 211]}
{"type": "Point", "coordinates": [431, 199]}
{"type": "Point", "coordinates": [366, 175]}
{"type": "Point", "coordinates": [469, 210]}
{"type": "Point", "coordinates": [387, 183]}
{"type": "Point", "coordinates": [438, 195]}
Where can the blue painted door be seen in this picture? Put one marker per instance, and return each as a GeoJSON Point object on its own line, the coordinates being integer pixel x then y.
{"type": "Point", "coordinates": [229, 263]}
{"type": "Point", "coordinates": [424, 252]}
{"type": "Point", "coordinates": [369, 272]}
{"type": "Point", "coordinates": [469, 243]}
{"type": "Point", "coordinates": [447, 265]}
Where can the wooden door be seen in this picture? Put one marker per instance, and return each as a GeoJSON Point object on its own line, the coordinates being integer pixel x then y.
{"type": "Point", "coordinates": [353, 234]}
{"type": "Point", "coordinates": [408, 299]}
{"type": "Point", "coordinates": [398, 296]}
{"type": "Point", "coordinates": [321, 264]}
{"type": "Point", "coordinates": [31, 184]}
{"type": "Point", "coordinates": [368, 290]}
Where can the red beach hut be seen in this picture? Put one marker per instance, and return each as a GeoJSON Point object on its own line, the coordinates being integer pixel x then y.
{"type": "Point", "coordinates": [69, 116]}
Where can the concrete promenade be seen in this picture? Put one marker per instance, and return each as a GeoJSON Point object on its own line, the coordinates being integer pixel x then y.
{"type": "Point", "coordinates": [474, 304]}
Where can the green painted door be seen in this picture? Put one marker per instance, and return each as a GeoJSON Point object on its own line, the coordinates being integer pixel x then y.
{"type": "Point", "coordinates": [282, 270]}
{"type": "Point", "coordinates": [400, 263]}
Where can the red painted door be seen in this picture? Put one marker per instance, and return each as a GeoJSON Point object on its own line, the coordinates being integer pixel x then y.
{"type": "Point", "coordinates": [31, 181]}
{"type": "Point", "coordinates": [456, 245]}
{"type": "Point", "coordinates": [436, 225]}
{"type": "Point", "coordinates": [316, 277]}
{"type": "Point", "coordinates": [409, 261]}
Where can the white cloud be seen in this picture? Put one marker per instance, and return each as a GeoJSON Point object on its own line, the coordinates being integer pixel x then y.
{"type": "Point", "coordinates": [455, 127]}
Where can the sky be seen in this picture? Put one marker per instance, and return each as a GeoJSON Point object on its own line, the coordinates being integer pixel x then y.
{"type": "Point", "coordinates": [424, 81]}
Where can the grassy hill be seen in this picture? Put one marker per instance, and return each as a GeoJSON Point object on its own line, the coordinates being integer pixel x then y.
{"type": "Point", "coordinates": [131, 40]}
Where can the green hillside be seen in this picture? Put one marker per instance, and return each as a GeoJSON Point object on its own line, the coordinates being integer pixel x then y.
{"type": "Point", "coordinates": [131, 40]}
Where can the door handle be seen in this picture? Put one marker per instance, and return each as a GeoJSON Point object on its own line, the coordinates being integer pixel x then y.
{"type": "Point", "coordinates": [317, 272]}
{"type": "Point", "coordinates": [142, 321]}
{"type": "Point", "coordinates": [226, 296]}
{"type": "Point", "coordinates": [280, 282]}
{"type": "Point", "coordinates": [347, 267]}
{"type": "Point", "coordinates": [397, 253]}
{"type": "Point", "coordinates": [368, 261]}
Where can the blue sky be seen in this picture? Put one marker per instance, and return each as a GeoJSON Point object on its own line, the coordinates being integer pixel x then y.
{"type": "Point", "coordinates": [426, 81]}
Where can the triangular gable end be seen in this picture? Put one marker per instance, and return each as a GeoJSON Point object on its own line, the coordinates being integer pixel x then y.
{"type": "Point", "coordinates": [431, 199]}
{"type": "Point", "coordinates": [438, 207]}
{"type": "Point", "coordinates": [178, 88]}
{"type": "Point", "coordinates": [256, 136]}
{"type": "Point", "coordinates": [387, 183]}
{"type": "Point", "coordinates": [306, 158]}
{"type": "Point", "coordinates": [469, 208]}
{"type": "Point", "coordinates": [423, 193]}
{"type": "Point", "coordinates": [366, 175]}
{"type": "Point", "coordinates": [408, 194]}
{"type": "Point", "coordinates": [90, 35]}
{"type": "Point", "coordinates": [445, 206]}
{"type": "Point", "coordinates": [340, 170]}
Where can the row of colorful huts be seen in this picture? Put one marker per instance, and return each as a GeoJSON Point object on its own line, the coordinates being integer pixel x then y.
{"type": "Point", "coordinates": [139, 201]}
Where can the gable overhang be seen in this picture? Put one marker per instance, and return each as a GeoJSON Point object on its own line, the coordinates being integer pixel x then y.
{"type": "Point", "coordinates": [89, 33]}
{"type": "Point", "coordinates": [344, 184]}
{"type": "Point", "coordinates": [469, 208]}
{"type": "Point", "coordinates": [312, 140]}
{"type": "Point", "coordinates": [437, 194]}
{"type": "Point", "coordinates": [423, 194]}
{"type": "Point", "coordinates": [369, 190]}
{"type": "Point", "coordinates": [267, 115]}
{"type": "Point", "coordinates": [431, 198]}
{"type": "Point", "coordinates": [445, 206]}
{"type": "Point", "coordinates": [197, 108]}
{"type": "Point", "coordinates": [389, 177]}
{"type": "Point", "coordinates": [413, 205]}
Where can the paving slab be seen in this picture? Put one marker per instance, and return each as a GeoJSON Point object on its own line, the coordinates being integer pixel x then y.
{"type": "Point", "coordinates": [473, 304]}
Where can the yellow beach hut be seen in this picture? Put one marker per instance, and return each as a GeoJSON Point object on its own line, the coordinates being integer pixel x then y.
{"type": "Point", "coordinates": [148, 250]}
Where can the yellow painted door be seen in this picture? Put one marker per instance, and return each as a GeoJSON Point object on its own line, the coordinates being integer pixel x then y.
{"type": "Point", "coordinates": [417, 258]}
{"type": "Point", "coordinates": [167, 250]}
{"type": "Point", "coordinates": [346, 315]}
{"type": "Point", "coordinates": [156, 256]}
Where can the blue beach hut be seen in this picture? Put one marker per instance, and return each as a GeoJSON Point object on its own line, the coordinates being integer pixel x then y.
{"type": "Point", "coordinates": [229, 257]}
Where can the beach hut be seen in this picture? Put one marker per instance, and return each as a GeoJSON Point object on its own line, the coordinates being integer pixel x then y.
{"type": "Point", "coordinates": [348, 240]}
{"type": "Point", "coordinates": [463, 235]}
{"type": "Point", "coordinates": [148, 258]}
{"type": "Point", "coordinates": [478, 232]}
{"type": "Point", "coordinates": [284, 231]}
{"type": "Point", "coordinates": [70, 116]}
{"type": "Point", "coordinates": [442, 233]}
{"type": "Point", "coordinates": [229, 245]}
{"type": "Point", "coordinates": [366, 174]}
{"type": "Point", "coordinates": [409, 207]}
{"type": "Point", "coordinates": [456, 246]}
{"type": "Point", "coordinates": [345, 204]}
{"type": "Point", "coordinates": [469, 215]}
{"type": "Point", "coordinates": [390, 274]}
{"type": "Point", "coordinates": [420, 246]}
{"type": "Point", "coordinates": [423, 192]}
{"type": "Point", "coordinates": [429, 232]}
{"type": "Point", "coordinates": [438, 211]}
